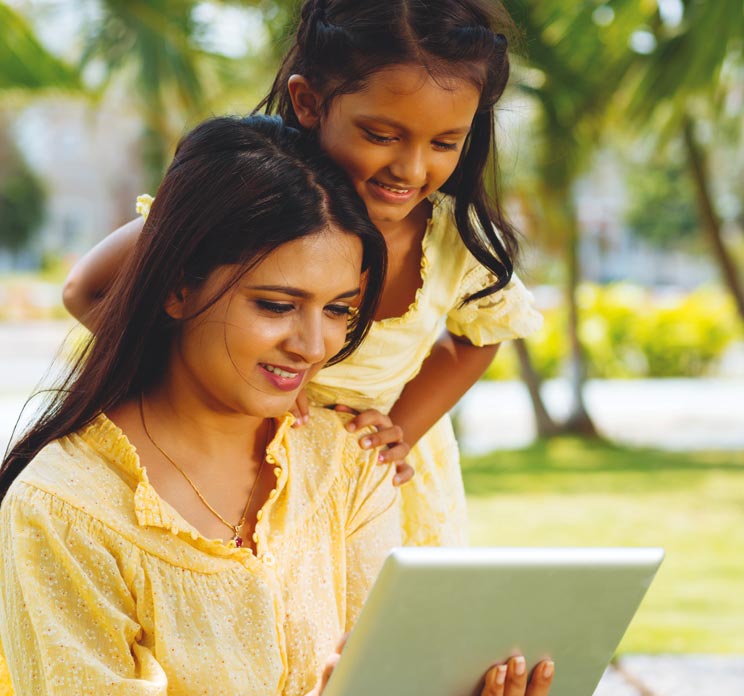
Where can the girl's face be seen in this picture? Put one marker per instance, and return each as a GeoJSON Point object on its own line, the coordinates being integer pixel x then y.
{"type": "Point", "coordinates": [253, 350]}
{"type": "Point", "coordinates": [399, 139]}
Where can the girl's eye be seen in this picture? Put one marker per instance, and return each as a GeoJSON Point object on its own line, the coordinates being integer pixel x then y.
{"type": "Point", "coordinates": [445, 146]}
{"type": "Point", "coordinates": [338, 311]}
{"type": "Point", "coordinates": [275, 307]}
{"type": "Point", "coordinates": [376, 138]}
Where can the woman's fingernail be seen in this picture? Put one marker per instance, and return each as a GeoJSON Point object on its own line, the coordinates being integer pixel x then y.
{"type": "Point", "coordinates": [351, 427]}
{"type": "Point", "coordinates": [366, 442]}
{"type": "Point", "coordinates": [501, 675]}
{"type": "Point", "coordinates": [520, 667]}
{"type": "Point", "coordinates": [548, 669]}
{"type": "Point", "coordinates": [381, 457]}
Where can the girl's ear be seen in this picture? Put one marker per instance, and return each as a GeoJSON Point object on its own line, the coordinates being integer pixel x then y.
{"type": "Point", "coordinates": [306, 102]}
{"type": "Point", "coordinates": [175, 304]}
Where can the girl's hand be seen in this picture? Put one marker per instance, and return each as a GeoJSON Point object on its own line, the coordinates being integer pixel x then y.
{"type": "Point", "coordinates": [387, 435]}
{"type": "Point", "coordinates": [328, 668]}
{"type": "Point", "coordinates": [511, 679]}
{"type": "Point", "coordinates": [301, 409]}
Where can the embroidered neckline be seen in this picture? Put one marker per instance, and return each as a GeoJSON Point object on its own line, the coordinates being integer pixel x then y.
{"type": "Point", "coordinates": [436, 199]}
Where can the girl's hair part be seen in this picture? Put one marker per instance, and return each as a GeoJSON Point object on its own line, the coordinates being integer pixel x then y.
{"type": "Point", "coordinates": [339, 44]}
{"type": "Point", "coordinates": [237, 189]}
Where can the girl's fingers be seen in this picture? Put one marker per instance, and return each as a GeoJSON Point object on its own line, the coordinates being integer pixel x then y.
{"type": "Point", "coordinates": [370, 417]}
{"type": "Point", "coordinates": [403, 474]}
{"type": "Point", "coordinates": [343, 408]}
{"type": "Point", "coordinates": [301, 410]}
{"type": "Point", "coordinates": [389, 438]}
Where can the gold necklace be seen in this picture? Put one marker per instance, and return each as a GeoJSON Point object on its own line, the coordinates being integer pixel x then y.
{"type": "Point", "coordinates": [235, 528]}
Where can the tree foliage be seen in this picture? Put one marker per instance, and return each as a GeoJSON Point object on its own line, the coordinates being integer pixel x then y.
{"type": "Point", "coordinates": [22, 198]}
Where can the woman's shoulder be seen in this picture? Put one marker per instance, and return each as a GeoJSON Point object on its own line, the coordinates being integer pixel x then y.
{"type": "Point", "coordinates": [325, 436]}
{"type": "Point", "coordinates": [73, 477]}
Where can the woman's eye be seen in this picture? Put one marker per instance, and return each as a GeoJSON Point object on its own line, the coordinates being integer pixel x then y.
{"type": "Point", "coordinates": [339, 310]}
{"type": "Point", "coordinates": [275, 307]}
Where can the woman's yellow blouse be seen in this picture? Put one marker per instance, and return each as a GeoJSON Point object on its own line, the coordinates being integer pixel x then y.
{"type": "Point", "coordinates": [106, 589]}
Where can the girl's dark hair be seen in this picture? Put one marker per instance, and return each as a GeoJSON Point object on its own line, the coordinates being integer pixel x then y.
{"type": "Point", "coordinates": [236, 190]}
{"type": "Point", "coordinates": [339, 44]}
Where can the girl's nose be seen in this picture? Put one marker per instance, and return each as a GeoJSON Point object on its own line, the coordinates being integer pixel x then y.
{"type": "Point", "coordinates": [410, 167]}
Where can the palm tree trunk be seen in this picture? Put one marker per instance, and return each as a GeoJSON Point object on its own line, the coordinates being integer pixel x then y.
{"type": "Point", "coordinates": [545, 425]}
{"type": "Point", "coordinates": [708, 217]}
{"type": "Point", "coordinates": [578, 422]}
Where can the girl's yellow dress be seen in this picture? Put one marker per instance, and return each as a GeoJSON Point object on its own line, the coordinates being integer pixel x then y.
{"type": "Point", "coordinates": [106, 590]}
{"type": "Point", "coordinates": [392, 353]}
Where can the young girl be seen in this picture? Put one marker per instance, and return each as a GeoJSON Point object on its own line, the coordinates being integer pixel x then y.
{"type": "Point", "coordinates": [163, 530]}
{"type": "Point", "coordinates": [401, 94]}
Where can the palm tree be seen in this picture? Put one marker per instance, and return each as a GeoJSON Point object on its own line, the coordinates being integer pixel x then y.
{"type": "Point", "coordinates": [683, 81]}
{"type": "Point", "coordinates": [150, 43]}
{"type": "Point", "coordinates": [25, 65]}
{"type": "Point", "coordinates": [570, 68]}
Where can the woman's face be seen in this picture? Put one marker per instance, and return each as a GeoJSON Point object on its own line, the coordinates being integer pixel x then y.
{"type": "Point", "coordinates": [399, 139]}
{"type": "Point", "coordinates": [254, 349]}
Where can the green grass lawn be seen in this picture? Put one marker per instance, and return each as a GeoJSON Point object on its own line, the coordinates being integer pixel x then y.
{"type": "Point", "coordinates": [570, 492]}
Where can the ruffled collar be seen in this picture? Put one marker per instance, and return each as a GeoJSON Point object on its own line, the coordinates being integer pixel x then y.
{"type": "Point", "coordinates": [437, 200]}
{"type": "Point", "coordinates": [149, 508]}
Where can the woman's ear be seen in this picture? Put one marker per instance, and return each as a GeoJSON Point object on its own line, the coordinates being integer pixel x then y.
{"type": "Point", "coordinates": [175, 304]}
{"type": "Point", "coordinates": [306, 102]}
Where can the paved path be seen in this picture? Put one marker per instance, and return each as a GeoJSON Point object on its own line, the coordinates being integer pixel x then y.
{"type": "Point", "coordinates": [674, 675]}
{"type": "Point", "coordinates": [675, 414]}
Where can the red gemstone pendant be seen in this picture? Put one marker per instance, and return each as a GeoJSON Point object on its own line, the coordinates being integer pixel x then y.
{"type": "Point", "coordinates": [238, 541]}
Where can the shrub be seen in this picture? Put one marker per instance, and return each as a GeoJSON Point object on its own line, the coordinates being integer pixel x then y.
{"type": "Point", "coordinates": [629, 331]}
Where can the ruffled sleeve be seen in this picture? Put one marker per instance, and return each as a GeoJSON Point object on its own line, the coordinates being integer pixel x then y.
{"type": "Point", "coordinates": [144, 203]}
{"type": "Point", "coordinates": [507, 314]}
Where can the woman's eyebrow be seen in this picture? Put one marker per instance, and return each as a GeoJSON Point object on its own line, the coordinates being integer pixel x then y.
{"type": "Point", "coordinates": [299, 292]}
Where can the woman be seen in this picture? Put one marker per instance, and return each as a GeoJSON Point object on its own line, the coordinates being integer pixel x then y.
{"type": "Point", "coordinates": [163, 529]}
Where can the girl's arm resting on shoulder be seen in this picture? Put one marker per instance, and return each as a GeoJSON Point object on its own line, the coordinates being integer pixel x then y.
{"type": "Point", "coordinates": [92, 275]}
{"type": "Point", "coordinates": [66, 614]}
{"type": "Point", "coordinates": [452, 367]}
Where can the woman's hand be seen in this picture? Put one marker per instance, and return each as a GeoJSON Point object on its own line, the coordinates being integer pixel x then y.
{"type": "Point", "coordinates": [387, 435]}
{"type": "Point", "coordinates": [328, 668]}
{"type": "Point", "coordinates": [511, 679]}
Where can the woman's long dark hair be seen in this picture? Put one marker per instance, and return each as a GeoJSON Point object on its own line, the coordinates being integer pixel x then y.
{"type": "Point", "coordinates": [340, 43]}
{"type": "Point", "coordinates": [236, 190]}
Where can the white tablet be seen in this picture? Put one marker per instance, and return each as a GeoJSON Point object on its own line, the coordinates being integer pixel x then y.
{"type": "Point", "coordinates": [438, 618]}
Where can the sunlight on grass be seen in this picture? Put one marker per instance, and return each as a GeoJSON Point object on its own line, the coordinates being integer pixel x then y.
{"type": "Point", "coordinates": [568, 492]}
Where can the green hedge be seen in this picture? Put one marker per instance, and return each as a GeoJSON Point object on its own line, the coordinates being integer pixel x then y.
{"type": "Point", "coordinates": [629, 331]}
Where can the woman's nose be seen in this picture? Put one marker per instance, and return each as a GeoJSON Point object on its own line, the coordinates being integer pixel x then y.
{"type": "Point", "coordinates": [308, 341]}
